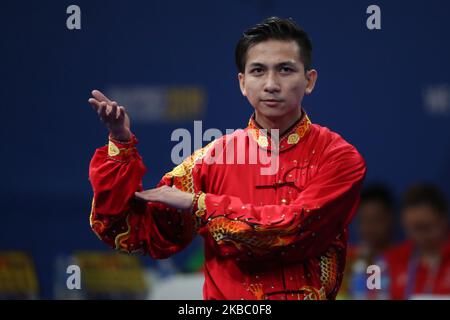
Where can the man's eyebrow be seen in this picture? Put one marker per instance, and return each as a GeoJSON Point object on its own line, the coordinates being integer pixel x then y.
{"type": "Point", "coordinates": [257, 64]}
{"type": "Point", "coordinates": [286, 63]}
{"type": "Point", "coordinates": [280, 64]}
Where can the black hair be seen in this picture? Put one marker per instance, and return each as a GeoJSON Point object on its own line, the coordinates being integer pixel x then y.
{"type": "Point", "coordinates": [274, 28]}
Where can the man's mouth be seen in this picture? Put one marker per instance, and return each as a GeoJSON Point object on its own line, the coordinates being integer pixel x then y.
{"type": "Point", "coordinates": [271, 102]}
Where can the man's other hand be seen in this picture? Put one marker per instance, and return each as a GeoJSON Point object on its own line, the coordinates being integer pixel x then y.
{"type": "Point", "coordinates": [172, 197]}
{"type": "Point", "coordinates": [112, 115]}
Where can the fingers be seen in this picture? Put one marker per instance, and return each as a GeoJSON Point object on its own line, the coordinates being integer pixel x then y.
{"type": "Point", "coordinates": [157, 194]}
{"type": "Point", "coordinates": [108, 112]}
{"type": "Point", "coordinates": [140, 196]}
{"type": "Point", "coordinates": [121, 114]}
{"type": "Point", "coordinates": [112, 106]}
{"type": "Point", "coordinates": [102, 111]}
{"type": "Point", "coordinates": [100, 96]}
{"type": "Point", "coordinates": [112, 111]}
{"type": "Point", "coordinates": [147, 195]}
{"type": "Point", "coordinates": [107, 109]}
{"type": "Point", "coordinates": [94, 103]}
{"type": "Point", "coordinates": [169, 196]}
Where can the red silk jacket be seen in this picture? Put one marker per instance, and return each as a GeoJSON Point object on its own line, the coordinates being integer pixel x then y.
{"type": "Point", "coordinates": [267, 236]}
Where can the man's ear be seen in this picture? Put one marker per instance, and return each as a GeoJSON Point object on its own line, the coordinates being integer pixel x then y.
{"type": "Point", "coordinates": [241, 78]}
{"type": "Point", "coordinates": [311, 77]}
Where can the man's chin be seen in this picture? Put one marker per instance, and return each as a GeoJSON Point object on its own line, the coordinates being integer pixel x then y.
{"type": "Point", "coordinates": [275, 112]}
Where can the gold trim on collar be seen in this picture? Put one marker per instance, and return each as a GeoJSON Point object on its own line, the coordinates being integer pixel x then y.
{"type": "Point", "coordinates": [292, 137]}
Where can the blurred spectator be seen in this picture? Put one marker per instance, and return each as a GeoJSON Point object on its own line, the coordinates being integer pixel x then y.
{"type": "Point", "coordinates": [375, 222]}
{"type": "Point", "coordinates": [421, 265]}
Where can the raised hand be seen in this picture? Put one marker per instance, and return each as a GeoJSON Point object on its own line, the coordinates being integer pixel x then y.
{"type": "Point", "coordinates": [112, 115]}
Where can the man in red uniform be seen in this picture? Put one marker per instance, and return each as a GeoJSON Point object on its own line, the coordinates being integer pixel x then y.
{"type": "Point", "coordinates": [421, 265]}
{"type": "Point", "coordinates": [281, 235]}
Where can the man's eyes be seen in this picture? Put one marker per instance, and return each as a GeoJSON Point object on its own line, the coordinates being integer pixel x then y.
{"type": "Point", "coordinates": [286, 70]}
{"type": "Point", "coordinates": [256, 70]}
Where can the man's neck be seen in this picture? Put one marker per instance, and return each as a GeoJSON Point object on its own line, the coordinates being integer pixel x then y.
{"type": "Point", "coordinates": [281, 123]}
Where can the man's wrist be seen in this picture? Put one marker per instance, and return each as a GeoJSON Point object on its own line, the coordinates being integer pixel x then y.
{"type": "Point", "coordinates": [121, 137]}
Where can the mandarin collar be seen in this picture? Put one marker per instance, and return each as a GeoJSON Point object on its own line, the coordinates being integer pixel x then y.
{"type": "Point", "coordinates": [289, 139]}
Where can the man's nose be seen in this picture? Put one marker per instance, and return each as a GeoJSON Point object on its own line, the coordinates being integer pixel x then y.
{"type": "Point", "coordinates": [271, 84]}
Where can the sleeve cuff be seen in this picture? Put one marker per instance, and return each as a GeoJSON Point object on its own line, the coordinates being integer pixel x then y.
{"type": "Point", "coordinates": [121, 151]}
{"type": "Point", "coordinates": [199, 206]}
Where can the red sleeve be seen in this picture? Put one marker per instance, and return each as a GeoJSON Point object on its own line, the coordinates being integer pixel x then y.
{"type": "Point", "coordinates": [318, 215]}
{"type": "Point", "coordinates": [129, 225]}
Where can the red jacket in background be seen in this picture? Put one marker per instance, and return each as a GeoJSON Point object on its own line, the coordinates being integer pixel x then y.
{"type": "Point", "coordinates": [409, 277]}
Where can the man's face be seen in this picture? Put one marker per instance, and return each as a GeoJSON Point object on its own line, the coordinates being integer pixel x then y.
{"type": "Point", "coordinates": [424, 227]}
{"type": "Point", "coordinates": [274, 80]}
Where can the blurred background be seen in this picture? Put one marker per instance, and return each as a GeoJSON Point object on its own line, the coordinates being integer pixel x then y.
{"type": "Point", "coordinates": [172, 62]}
